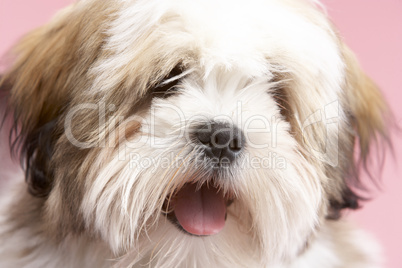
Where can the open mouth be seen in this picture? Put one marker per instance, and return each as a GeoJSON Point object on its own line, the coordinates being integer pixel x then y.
{"type": "Point", "coordinates": [198, 211]}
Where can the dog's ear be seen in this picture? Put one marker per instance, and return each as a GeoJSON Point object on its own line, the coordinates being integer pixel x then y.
{"type": "Point", "coordinates": [49, 65]}
{"type": "Point", "coordinates": [34, 85]}
{"type": "Point", "coordinates": [367, 107]}
{"type": "Point", "coordinates": [368, 115]}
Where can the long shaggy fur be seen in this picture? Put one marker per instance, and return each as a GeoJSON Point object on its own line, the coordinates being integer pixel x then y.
{"type": "Point", "coordinates": [106, 98]}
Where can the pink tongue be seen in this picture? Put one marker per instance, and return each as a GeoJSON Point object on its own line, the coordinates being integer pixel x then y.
{"type": "Point", "coordinates": [200, 212]}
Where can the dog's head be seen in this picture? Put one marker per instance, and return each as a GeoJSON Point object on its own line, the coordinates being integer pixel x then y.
{"type": "Point", "coordinates": [175, 128]}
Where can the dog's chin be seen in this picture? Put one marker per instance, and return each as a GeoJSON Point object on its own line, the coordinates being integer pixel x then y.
{"type": "Point", "coordinates": [198, 210]}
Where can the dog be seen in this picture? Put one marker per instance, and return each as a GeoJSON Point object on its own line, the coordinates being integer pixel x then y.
{"type": "Point", "coordinates": [188, 134]}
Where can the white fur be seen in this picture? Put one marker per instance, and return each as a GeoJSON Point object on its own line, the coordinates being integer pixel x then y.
{"type": "Point", "coordinates": [276, 210]}
{"type": "Point", "coordinates": [137, 187]}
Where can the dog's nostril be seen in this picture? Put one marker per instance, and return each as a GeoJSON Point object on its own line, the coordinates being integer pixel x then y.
{"type": "Point", "coordinates": [235, 145]}
{"type": "Point", "coordinates": [220, 140]}
{"type": "Point", "coordinates": [204, 137]}
{"type": "Point", "coordinates": [216, 140]}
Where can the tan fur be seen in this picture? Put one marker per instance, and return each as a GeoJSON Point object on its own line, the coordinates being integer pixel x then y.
{"type": "Point", "coordinates": [58, 67]}
{"type": "Point", "coordinates": [49, 71]}
{"type": "Point", "coordinates": [367, 105]}
{"type": "Point", "coordinates": [52, 61]}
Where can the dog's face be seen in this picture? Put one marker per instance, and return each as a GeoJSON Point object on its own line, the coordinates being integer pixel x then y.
{"type": "Point", "coordinates": [190, 131]}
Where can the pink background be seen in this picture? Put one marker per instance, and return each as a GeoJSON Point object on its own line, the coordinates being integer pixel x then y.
{"type": "Point", "coordinates": [372, 28]}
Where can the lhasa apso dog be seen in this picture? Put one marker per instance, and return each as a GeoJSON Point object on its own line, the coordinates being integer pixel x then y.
{"type": "Point", "coordinates": [185, 133]}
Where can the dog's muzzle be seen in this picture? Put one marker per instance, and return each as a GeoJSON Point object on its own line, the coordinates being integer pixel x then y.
{"type": "Point", "coordinates": [200, 209]}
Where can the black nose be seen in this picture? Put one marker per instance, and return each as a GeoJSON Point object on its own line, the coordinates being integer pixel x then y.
{"type": "Point", "coordinates": [221, 141]}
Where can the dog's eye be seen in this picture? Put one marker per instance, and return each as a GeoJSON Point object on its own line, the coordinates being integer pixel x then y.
{"type": "Point", "coordinates": [281, 100]}
{"type": "Point", "coordinates": [169, 84]}
{"type": "Point", "coordinates": [279, 94]}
